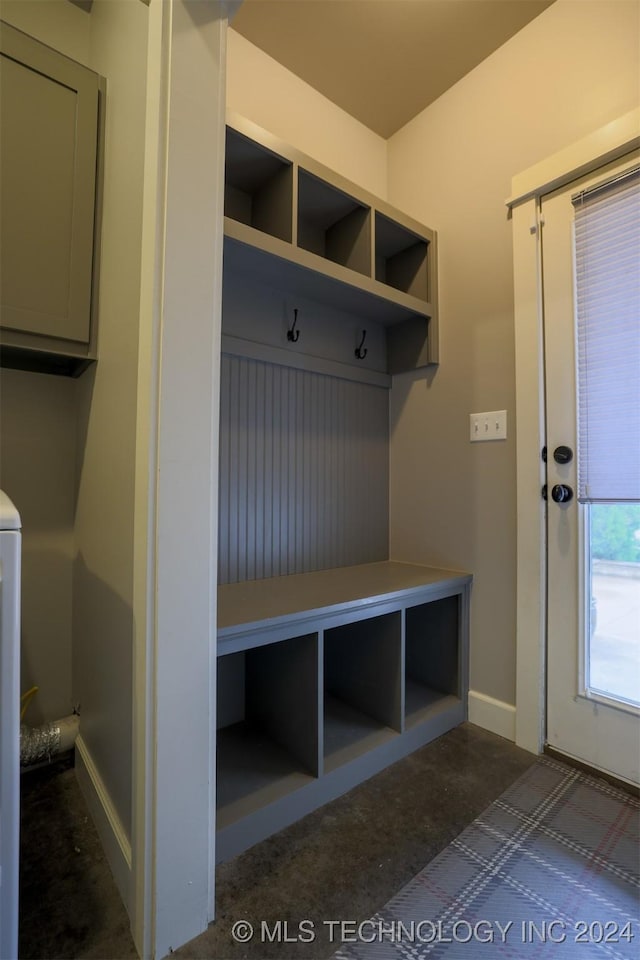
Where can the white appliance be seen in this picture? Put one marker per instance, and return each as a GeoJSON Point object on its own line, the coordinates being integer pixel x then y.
{"type": "Point", "coordinates": [10, 555]}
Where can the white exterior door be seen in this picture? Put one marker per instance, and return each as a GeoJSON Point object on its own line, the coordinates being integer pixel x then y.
{"type": "Point", "coordinates": [593, 583]}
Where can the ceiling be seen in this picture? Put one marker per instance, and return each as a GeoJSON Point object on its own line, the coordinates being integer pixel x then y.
{"type": "Point", "coordinates": [383, 61]}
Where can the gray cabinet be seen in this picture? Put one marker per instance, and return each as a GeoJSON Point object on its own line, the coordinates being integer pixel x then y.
{"type": "Point", "coordinates": [326, 678]}
{"type": "Point", "coordinates": [305, 239]}
{"type": "Point", "coordinates": [49, 110]}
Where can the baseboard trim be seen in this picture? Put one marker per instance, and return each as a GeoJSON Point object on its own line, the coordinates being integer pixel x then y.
{"type": "Point", "coordinates": [494, 715]}
{"type": "Point", "coordinates": [116, 844]}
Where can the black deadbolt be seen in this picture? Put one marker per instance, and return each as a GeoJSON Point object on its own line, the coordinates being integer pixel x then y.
{"type": "Point", "coordinates": [563, 454]}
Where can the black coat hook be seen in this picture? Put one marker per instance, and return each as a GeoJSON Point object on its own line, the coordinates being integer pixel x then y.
{"type": "Point", "coordinates": [359, 352]}
{"type": "Point", "coordinates": [293, 334]}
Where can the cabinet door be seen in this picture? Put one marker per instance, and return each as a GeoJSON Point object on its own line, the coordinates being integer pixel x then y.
{"type": "Point", "coordinates": [48, 145]}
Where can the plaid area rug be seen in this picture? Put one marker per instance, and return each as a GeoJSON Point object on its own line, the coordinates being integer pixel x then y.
{"type": "Point", "coordinates": [551, 869]}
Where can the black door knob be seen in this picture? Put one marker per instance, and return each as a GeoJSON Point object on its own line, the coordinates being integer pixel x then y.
{"type": "Point", "coordinates": [563, 454]}
{"type": "Point", "coordinates": [561, 493]}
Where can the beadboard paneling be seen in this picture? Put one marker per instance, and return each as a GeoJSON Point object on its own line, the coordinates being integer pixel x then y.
{"type": "Point", "coordinates": [304, 473]}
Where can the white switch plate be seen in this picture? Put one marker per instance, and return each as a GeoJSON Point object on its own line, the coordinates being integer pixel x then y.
{"type": "Point", "coordinates": [488, 426]}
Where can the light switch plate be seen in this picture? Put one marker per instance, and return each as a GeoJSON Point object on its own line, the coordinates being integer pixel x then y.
{"type": "Point", "coordinates": [488, 426]}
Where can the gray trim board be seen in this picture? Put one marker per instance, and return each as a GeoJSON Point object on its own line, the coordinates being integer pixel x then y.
{"type": "Point", "coordinates": [252, 350]}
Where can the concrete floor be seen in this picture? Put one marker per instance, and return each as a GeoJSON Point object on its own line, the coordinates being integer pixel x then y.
{"type": "Point", "coordinates": [341, 862]}
{"type": "Point", "coordinates": [69, 904]}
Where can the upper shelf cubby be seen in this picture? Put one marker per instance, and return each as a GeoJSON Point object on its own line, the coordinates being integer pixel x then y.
{"type": "Point", "coordinates": [332, 224]}
{"type": "Point", "coordinates": [258, 188]}
{"type": "Point", "coordinates": [305, 230]}
{"type": "Point", "coordinates": [401, 257]}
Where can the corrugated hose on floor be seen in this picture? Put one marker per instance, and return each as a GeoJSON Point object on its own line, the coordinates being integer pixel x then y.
{"type": "Point", "coordinates": [44, 742]}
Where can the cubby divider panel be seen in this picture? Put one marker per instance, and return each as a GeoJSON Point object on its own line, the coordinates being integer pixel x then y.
{"type": "Point", "coordinates": [432, 657]}
{"type": "Point", "coordinates": [258, 187]}
{"type": "Point", "coordinates": [401, 258]}
{"type": "Point", "coordinates": [333, 225]}
{"type": "Point", "coordinates": [362, 687]}
{"type": "Point", "coordinates": [268, 724]}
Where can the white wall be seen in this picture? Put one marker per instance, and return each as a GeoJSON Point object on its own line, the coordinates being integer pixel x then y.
{"type": "Point", "coordinates": [103, 627]}
{"type": "Point", "coordinates": [57, 23]}
{"type": "Point", "coordinates": [264, 91]}
{"type": "Point", "coordinates": [182, 685]}
{"type": "Point", "coordinates": [117, 456]}
{"type": "Point", "coordinates": [68, 447]}
{"type": "Point", "coordinates": [570, 71]}
{"type": "Point", "coordinates": [453, 504]}
{"type": "Point", "coordinates": [37, 470]}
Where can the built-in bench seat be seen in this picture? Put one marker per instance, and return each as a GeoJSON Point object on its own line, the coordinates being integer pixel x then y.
{"type": "Point", "coordinates": [324, 679]}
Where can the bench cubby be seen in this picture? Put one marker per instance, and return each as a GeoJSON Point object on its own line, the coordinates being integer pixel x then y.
{"type": "Point", "coordinates": [362, 687]}
{"type": "Point", "coordinates": [268, 724]}
{"type": "Point", "coordinates": [432, 666]}
{"type": "Point", "coordinates": [326, 678]}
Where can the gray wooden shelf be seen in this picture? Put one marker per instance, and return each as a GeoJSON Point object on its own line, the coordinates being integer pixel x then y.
{"type": "Point", "coordinates": [326, 678]}
{"type": "Point", "coordinates": [303, 229]}
{"type": "Point", "coordinates": [258, 186]}
{"type": "Point", "coordinates": [253, 606]}
{"type": "Point", "coordinates": [401, 258]}
{"type": "Point", "coordinates": [306, 274]}
{"type": "Point", "coordinates": [332, 224]}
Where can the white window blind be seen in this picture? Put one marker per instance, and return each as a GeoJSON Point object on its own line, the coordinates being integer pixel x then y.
{"type": "Point", "coordinates": [607, 266]}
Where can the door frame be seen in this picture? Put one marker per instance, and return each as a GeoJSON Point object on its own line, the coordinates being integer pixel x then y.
{"type": "Point", "coordinates": [609, 143]}
{"type": "Point", "coordinates": [171, 897]}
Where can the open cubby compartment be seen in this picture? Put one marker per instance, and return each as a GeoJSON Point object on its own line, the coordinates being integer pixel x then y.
{"type": "Point", "coordinates": [401, 258]}
{"type": "Point", "coordinates": [333, 224]}
{"type": "Point", "coordinates": [268, 724]}
{"type": "Point", "coordinates": [432, 658]}
{"type": "Point", "coordinates": [362, 687]}
{"type": "Point", "coordinates": [258, 188]}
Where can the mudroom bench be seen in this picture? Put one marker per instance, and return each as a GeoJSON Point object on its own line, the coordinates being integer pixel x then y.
{"type": "Point", "coordinates": [324, 679]}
